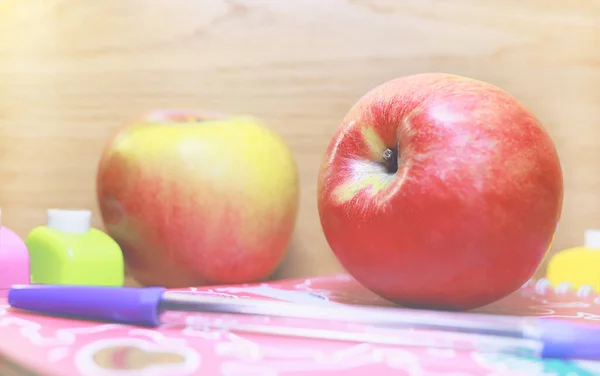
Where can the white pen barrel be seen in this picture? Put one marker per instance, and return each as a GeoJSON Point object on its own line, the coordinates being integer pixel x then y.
{"type": "Point", "coordinates": [508, 326]}
{"type": "Point", "coordinates": [213, 324]}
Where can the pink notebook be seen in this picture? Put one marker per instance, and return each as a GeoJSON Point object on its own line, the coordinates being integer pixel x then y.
{"type": "Point", "coordinates": [37, 345]}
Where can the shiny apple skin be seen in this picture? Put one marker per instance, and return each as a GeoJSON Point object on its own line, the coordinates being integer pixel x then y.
{"type": "Point", "coordinates": [472, 209]}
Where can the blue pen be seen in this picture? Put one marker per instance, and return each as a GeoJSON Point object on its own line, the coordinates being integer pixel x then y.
{"type": "Point", "coordinates": [148, 306]}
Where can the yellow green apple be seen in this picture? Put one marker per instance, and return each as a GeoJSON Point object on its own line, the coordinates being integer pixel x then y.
{"type": "Point", "coordinates": [197, 198]}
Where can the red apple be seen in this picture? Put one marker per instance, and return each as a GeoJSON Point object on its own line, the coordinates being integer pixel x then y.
{"type": "Point", "coordinates": [195, 198]}
{"type": "Point", "coordinates": [440, 191]}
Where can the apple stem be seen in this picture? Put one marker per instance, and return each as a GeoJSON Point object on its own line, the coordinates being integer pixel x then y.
{"type": "Point", "coordinates": [390, 159]}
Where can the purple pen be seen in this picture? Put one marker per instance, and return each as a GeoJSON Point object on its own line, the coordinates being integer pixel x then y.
{"type": "Point", "coordinates": [150, 307]}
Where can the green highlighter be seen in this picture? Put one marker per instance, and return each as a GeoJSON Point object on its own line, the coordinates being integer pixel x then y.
{"type": "Point", "coordinates": [69, 251]}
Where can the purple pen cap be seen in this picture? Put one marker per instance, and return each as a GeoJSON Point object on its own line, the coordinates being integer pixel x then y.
{"type": "Point", "coordinates": [569, 340]}
{"type": "Point", "coordinates": [125, 305]}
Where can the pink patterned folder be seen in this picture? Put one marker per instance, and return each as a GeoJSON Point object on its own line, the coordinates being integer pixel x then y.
{"type": "Point", "coordinates": [37, 345]}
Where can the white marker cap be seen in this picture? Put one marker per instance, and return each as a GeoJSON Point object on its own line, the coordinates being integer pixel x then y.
{"type": "Point", "coordinates": [71, 221]}
{"type": "Point", "coordinates": [592, 239]}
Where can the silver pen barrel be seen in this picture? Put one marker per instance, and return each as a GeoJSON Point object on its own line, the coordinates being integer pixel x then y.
{"type": "Point", "coordinates": [507, 326]}
{"type": "Point", "coordinates": [358, 324]}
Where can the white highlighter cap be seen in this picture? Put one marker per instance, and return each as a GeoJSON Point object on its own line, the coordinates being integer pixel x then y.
{"type": "Point", "coordinates": [71, 221]}
{"type": "Point", "coordinates": [592, 239]}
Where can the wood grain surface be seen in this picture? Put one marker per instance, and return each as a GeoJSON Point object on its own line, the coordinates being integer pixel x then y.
{"type": "Point", "coordinates": [73, 71]}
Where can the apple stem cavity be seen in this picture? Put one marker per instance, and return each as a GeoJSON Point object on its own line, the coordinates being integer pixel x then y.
{"type": "Point", "coordinates": [390, 160]}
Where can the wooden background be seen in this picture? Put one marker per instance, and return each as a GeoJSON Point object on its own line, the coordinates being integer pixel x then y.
{"type": "Point", "coordinates": [72, 71]}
